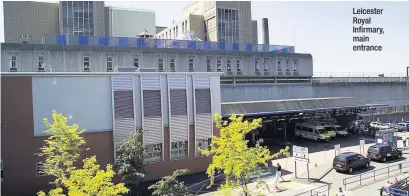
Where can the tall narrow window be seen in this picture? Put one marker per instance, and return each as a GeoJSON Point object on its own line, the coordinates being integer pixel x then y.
{"type": "Point", "coordinates": [160, 64]}
{"type": "Point", "coordinates": [265, 63]}
{"type": "Point", "coordinates": [219, 64]}
{"type": "Point", "coordinates": [295, 64]}
{"type": "Point", "coordinates": [154, 152]}
{"type": "Point", "coordinates": [228, 64]}
{"type": "Point", "coordinates": [172, 65]}
{"type": "Point", "coordinates": [279, 65]}
{"type": "Point", "coordinates": [287, 64]}
{"type": "Point", "coordinates": [179, 150]}
{"type": "Point", "coordinates": [238, 66]}
{"type": "Point", "coordinates": [109, 63]}
{"type": "Point", "coordinates": [40, 66]}
{"type": "Point", "coordinates": [40, 169]}
{"type": "Point", "coordinates": [191, 64]}
{"type": "Point", "coordinates": [136, 62]}
{"type": "Point", "coordinates": [208, 64]}
{"type": "Point", "coordinates": [13, 63]}
{"type": "Point", "coordinates": [256, 66]}
{"type": "Point", "coordinates": [86, 63]}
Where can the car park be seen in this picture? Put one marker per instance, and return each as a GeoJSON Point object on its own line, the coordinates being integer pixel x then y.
{"type": "Point", "coordinates": [349, 162]}
{"type": "Point", "coordinates": [383, 152]}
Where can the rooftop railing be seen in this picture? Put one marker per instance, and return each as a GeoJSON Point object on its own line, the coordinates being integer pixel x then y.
{"type": "Point", "coordinates": [357, 74]}
{"type": "Point", "coordinates": [318, 80]}
{"type": "Point", "coordinates": [162, 43]}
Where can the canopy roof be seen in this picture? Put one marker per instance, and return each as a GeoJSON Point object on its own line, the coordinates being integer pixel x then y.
{"type": "Point", "coordinates": [270, 107]}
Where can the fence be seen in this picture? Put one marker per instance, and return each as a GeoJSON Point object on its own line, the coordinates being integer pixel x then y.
{"type": "Point", "coordinates": [321, 190]}
{"type": "Point", "coordinates": [367, 177]}
{"type": "Point", "coordinates": [162, 43]}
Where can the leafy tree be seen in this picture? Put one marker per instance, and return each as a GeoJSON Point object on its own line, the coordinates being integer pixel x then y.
{"type": "Point", "coordinates": [234, 158]}
{"type": "Point", "coordinates": [130, 158]}
{"type": "Point", "coordinates": [90, 181]}
{"type": "Point", "coordinates": [62, 151]}
{"type": "Point", "coordinates": [62, 148]}
{"type": "Point", "coordinates": [170, 186]}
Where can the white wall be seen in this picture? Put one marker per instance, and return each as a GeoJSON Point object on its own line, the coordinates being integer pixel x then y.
{"type": "Point", "coordinates": [87, 101]}
{"type": "Point", "coordinates": [130, 23]}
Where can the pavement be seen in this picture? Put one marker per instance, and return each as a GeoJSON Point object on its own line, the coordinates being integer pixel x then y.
{"type": "Point", "coordinates": [321, 174]}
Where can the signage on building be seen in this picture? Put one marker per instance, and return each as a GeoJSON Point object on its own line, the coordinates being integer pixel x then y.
{"type": "Point", "coordinates": [300, 153]}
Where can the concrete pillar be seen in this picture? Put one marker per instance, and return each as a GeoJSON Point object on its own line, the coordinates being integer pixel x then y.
{"type": "Point", "coordinates": [265, 32]}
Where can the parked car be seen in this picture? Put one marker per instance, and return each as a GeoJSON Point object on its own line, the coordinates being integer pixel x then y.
{"type": "Point", "coordinates": [349, 161]}
{"type": "Point", "coordinates": [402, 126]}
{"type": "Point", "coordinates": [378, 125]}
{"type": "Point", "coordinates": [383, 152]}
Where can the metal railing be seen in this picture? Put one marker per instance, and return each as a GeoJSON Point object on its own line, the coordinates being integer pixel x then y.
{"type": "Point", "coordinates": [321, 190]}
{"type": "Point", "coordinates": [162, 43]}
{"type": "Point", "coordinates": [357, 74]}
{"type": "Point", "coordinates": [321, 80]}
{"type": "Point", "coordinates": [367, 177]}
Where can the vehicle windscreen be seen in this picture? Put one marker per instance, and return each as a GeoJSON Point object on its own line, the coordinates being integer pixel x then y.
{"type": "Point", "coordinates": [321, 131]}
{"type": "Point", "coordinates": [339, 159]}
{"type": "Point", "coordinates": [329, 128]}
{"type": "Point", "coordinates": [373, 149]}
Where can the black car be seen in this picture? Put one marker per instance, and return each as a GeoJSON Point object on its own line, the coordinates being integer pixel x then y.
{"type": "Point", "coordinates": [383, 152]}
{"type": "Point", "coordinates": [349, 161]}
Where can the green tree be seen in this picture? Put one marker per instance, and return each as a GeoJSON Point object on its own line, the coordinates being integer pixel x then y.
{"type": "Point", "coordinates": [130, 158]}
{"type": "Point", "coordinates": [170, 186]}
{"type": "Point", "coordinates": [234, 158]}
{"type": "Point", "coordinates": [90, 181]}
{"type": "Point", "coordinates": [63, 148]}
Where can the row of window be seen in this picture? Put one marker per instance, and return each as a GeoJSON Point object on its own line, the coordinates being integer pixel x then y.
{"type": "Point", "coordinates": [258, 64]}
{"type": "Point", "coordinates": [179, 150]}
{"type": "Point", "coordinates": [175, 33]}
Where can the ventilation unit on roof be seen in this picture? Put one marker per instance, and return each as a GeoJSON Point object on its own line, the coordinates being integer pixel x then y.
{"type": "Point", "coordinates": [25, 39]}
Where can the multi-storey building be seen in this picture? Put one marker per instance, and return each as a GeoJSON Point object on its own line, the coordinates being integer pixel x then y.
{"type": "Point", "coordinates": [175, 109]}
{"type": "Point", "coordinates": [217, 21]}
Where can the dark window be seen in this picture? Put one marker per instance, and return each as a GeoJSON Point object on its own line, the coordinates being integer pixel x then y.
{"type": "Point", "coordinates": [310, 130]}
{"type": "Point", "coordinates": [298, 127]}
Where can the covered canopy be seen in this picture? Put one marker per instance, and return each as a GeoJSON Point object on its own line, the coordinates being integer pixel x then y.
{"type": "Point", "coordinates": [145, 34]}
{"type": "Point", "coordinates": [286, 106]}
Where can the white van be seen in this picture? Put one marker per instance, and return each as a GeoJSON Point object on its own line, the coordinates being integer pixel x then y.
{"type": "Point", "coordinates": [309, 131]}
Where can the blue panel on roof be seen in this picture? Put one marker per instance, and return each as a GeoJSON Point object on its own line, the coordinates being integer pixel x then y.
{"type": "Point", "coordinates": [236, 46]}
{"type": "Point", "coordinates": [207, 45]}
{"type": "Point", "coordinates": [104, 41]}
{"type": "Point", "coordinates": [61, 39]}
{"type": "Point", "coordinates": [140, 43]}
{"type": "Point", "coordinates": [285, 50]}
{"type": "Point", "coordinates": [222, 46]}
{"type": "Point", "coordinates": [249, 47]}
{"type": "Point", "coordinates": [83, 40]}
{"type": "Point", "coordinates": [123, 41]}
{"type": "Point", "coordinates": [191, 44]}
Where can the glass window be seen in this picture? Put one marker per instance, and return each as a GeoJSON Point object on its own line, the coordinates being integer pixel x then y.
{"type": "Point", "coordinates": [13, 62]}
{"type": "Point", "coordinates": [179, 150]}
{"type": "Point", "coordinates": [86, 63]}
{"type": "Point", "coordinates": [219, 64]}
{"type": "Point", "coordinates": [202, 144]}
{"type": "Point", "coordinates": [295, 61]}
{"type": "Point", "coordinates": [209, 64]}
{"type": "Point", "coordinates": [238, 61]}
{"type": "Point", "coordinates": [228, 64]}
{"type": "Point", "coordinates": [191, 64]}
{"type": "Point", "coordinates": [40, 63]}
{"type": "Point", "coordinates": [160, 64]}
{"type": "Point", "coordinates": [136, 62]}
{"type": "Point", "coordinates": [40, 169]}
{"type": "Point", "coordinates": [265, 63]}
{"type": "Point", "coordinates": [256, 66]}
{"type": "Point", "coordinates": [109, 63]}
{"type": "Point", "coordinates": [279, 65]}
{"type": "Point", "coordinates": [154, 152]}
{"type": "Point", "coordinates": [287, 64]}
{"type": "Point", "coordinates": [172, 65]}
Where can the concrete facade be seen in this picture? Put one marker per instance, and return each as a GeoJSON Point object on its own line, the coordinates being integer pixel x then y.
{"type": "Point", "coordinates": [232, 63]}
{"type": "Point", "coordinates": [191, 22]}
{"type": "Point", "coordinates": [122, 22]}
{"type": "Point", "coordinates": [28, 106]}
{"type": "Point", "coordinates": [32, 19]}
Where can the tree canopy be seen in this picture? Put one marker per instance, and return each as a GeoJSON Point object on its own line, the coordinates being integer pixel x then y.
{"type": "Point", "coordinates": [232, 156]}
{"type": "Point", "coordinates": [170, 186]}
{"type": "Point", "coordinates": [130, 158]}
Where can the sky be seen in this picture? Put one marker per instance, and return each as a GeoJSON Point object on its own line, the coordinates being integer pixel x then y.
{"type": "Point", "coordinates": [323, 29]}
